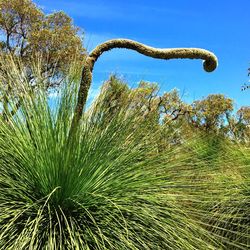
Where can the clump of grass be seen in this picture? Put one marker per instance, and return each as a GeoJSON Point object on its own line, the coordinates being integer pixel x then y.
{"type": "Point", "coordinates": [240, 204]}
{"type": "Point", "coordinates": [105, 185]}
{"type": "Point", "coordinates": [219, 172]}
{"type": "Point", "coordinates": [102, 187]}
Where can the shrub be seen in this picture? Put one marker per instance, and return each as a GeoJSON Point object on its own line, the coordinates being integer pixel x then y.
{"type": "Point", "coordinates": [102, 187]}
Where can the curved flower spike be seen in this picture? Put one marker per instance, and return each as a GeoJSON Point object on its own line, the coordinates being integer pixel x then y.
{"type": "Point", "coordinates": [210, 63]}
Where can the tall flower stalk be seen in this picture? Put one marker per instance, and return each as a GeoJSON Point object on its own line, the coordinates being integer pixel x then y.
{"type": "Point", "coordinates": [210, 63]}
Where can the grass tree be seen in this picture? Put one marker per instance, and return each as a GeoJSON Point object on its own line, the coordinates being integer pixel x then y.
{"type": "Point", "coordinates": [106, 188]}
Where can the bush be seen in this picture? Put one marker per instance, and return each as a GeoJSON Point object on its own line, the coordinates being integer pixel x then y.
{"type": "Point", "coordinates": [106, 185]}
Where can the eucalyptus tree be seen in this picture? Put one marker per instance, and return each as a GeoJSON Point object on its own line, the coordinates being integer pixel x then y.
{"type": "Point", "coordinates": [42, 46]}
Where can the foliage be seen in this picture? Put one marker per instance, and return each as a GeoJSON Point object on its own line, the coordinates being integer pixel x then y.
{"type": "Point", "coordinates": [244, 115]}
{"type": "Point", "coordinates": [12, 93]}
{"type": "Point", "coordinates": [101, 188]}
{"type": "Point", "coordinates": [213, 114]}
{"type": "Point", "coordinates": [227, 216]}
{"type": "Point", "coordinates": [239, 125]}
{"type": "Point", "coordinates": [210, 113]}
{"type": "Point", "coordinates": [120, 180]}
{"type": "Point", "coordinates": [29, 35]}
{"type": "Point", "coordinates": [144, 99]}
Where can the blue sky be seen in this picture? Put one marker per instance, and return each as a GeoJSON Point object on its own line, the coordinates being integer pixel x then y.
{"type": "Point", "coordinates": [221, 26]}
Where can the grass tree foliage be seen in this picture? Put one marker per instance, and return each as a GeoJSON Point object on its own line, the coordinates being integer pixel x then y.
{"type": "Point", "coordinates": [107, 185]}
{"type": "Point", "coordinates": [108, 188]}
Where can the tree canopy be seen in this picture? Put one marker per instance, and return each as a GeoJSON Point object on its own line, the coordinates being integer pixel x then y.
{"type": "Point", "coordinates": [212, 114]}
{"type": "Point", "coordinates": [27, 34]}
